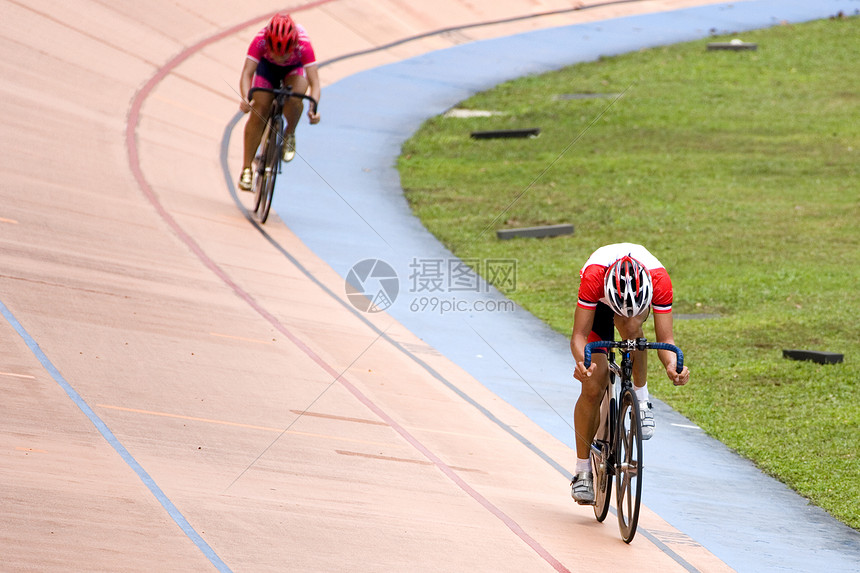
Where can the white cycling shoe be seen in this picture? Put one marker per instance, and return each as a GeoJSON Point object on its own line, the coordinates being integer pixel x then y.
{"type": "Point", "coordinates": [582, 488]}
{"type": "Point", "coordinates": [646, 418]}
{"type": "Point", "coordinates": [289, 146]}
{"type": "Point", "coordinates": [245, 179]}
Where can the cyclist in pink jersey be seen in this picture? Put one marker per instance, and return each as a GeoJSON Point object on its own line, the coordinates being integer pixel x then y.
{"type": "Point", "coordinates": [280, 52]}
{"type": "Point", "coordinates": [619, 285]}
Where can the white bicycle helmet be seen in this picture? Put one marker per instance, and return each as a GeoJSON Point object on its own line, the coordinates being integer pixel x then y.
{"type": "Point", "coordinates": [628, 287]}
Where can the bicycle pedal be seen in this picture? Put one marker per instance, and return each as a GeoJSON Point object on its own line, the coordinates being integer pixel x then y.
{"type": "Point", "coordinates": [586, 502]}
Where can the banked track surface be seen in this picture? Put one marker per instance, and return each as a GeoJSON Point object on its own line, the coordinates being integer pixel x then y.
{"type": "Point", "coordinates": [205, 393]}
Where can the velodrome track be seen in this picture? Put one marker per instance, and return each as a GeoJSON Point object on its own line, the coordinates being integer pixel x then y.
{"type": "Point", "coordinates": [177, 393]}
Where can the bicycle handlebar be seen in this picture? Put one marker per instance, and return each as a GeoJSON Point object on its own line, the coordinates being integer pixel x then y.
{"type": "Point", "coordinates": [286, 92]}
{"type": "Point", "coordinates": [635, 344]}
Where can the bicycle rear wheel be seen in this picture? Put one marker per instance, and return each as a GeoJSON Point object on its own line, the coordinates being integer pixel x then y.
{"type": "Point", "coordinates": [628, 471]}
{"type": "Point", "coordinates": [272, 163]}
{"type": "Point", "coordinates": [601, 463]}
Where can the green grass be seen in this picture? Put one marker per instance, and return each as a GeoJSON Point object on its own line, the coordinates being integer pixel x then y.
{"type": "Point", "coordinates": [739, 171]}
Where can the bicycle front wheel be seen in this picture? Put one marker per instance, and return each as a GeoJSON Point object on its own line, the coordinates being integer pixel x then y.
{"type": "Point", "coordinates": [628, 471]}
{"type": "Point", "coordinates": [258, 183]}
{"type": "Point", "coordinates": [273, 162]}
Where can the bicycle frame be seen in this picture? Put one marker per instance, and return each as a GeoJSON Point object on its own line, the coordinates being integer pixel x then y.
{"type": "Point", "coordinates": [617, 446]}
{"type": "Point", "coordinates": [281, 96]}
{"type": "Point", "coordinates": [268, 160]}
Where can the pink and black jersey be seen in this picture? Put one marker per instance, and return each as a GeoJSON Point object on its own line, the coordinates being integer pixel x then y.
{"type": "Point", "coordinates": [302, 56]}
{"type": "Point", "coordinates": [591, 276]}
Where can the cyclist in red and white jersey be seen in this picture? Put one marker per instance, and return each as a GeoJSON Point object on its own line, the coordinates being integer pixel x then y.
{"type": "Point", "coordinates": [619, 285]}
{"type": "Point", "coordinates": [280, 52]}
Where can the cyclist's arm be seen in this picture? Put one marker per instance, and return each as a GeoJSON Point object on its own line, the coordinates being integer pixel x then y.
{"type": "Point", "coordinates": [314, 84]}
{"type": "Point", "coordinates": [248, 71]}
{"type": "Point", "coordinates": [664, 331]}
{"type": "Point", "coordinates": [583, 321]}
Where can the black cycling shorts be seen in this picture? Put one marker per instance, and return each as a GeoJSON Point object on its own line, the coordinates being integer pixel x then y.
{"type": "Point", "coordinates": [603, 327]}
{"type": "Point", "coordinates": [269, 75]}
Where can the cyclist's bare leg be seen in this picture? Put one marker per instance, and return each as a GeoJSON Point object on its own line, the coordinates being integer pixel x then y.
{"type": "Point", "coordinates": [586, 413]}
{"type": "Point", "coordinates": [261, 102]}
{"type": "Point", "coordinates": [630, 328]}
{"type": "Point", "coordinates": [294, 106]}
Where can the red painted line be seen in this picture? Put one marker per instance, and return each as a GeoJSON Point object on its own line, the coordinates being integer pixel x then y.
{"type": "Point", "coordinates": [149, 193]}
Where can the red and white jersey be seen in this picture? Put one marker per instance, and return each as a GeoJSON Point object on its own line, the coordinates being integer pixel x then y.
{"type": "Point", "coordinates": [591, 276]}
{"type": "Point", "coordinates": [302, 56]}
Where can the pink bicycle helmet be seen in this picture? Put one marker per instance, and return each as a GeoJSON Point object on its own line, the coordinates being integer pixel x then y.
{"type": "Point", "coordinates": [627, 285]}
{"type": "Point", "coordinates": [281, 35]}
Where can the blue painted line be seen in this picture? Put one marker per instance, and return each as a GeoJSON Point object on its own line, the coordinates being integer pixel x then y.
{"type": "Point", "coordinates": [109, 436]}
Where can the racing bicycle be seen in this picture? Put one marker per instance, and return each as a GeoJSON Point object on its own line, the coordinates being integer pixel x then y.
{"type": "Point", "coordinates": [617, 446]}
{"type": "Point", "coordinates": [267, 163]}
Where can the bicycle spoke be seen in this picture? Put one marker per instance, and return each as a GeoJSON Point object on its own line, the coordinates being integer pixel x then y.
{"type": "Point", "coordinates": [629, 511]}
